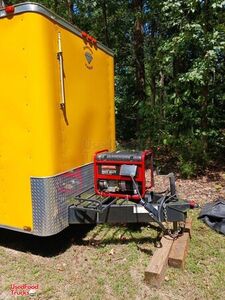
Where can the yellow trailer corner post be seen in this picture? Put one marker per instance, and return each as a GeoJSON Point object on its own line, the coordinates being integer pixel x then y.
{"type": "Point", "coordinates": [57, 110]}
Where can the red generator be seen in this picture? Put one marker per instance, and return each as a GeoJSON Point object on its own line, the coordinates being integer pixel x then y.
{"type": "Point", "coordinates": [123, 174]}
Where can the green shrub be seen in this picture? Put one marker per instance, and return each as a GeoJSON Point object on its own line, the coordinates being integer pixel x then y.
{"type": "Point", "coordinates": [187, 169]}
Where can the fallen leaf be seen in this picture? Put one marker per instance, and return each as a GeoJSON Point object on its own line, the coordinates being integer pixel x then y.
{"type": "Point", "coordinates": [112, 252]}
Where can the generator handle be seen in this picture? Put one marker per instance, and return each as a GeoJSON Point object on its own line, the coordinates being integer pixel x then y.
{"type": "Point", "coordinates": [104, 150]}
{"type": "Point", "coordinates": [144, 154]}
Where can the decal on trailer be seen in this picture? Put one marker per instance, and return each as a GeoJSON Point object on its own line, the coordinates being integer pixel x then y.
{"type": "Point", "coordinates": [88, 53]}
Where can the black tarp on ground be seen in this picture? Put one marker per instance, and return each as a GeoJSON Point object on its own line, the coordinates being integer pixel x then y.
{"type": "Point", "coordinates": [213, 214]}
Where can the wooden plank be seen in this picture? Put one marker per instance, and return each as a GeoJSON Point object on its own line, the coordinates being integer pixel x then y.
{"type": "Point", "coordinates": [155, 272]}
{"type": "Point", "coordinates": [179, 248]}
{"type": "Point", "coordinates": [188, 225]}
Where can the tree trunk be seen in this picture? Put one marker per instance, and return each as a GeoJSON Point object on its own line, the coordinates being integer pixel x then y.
{"type": "Point", "coordinates": [162, 78]}
{"type": "Point", "coordinates": [140, 94]}
{"type": "Point", "coordinates": [56, 4]}
{"type": "Point", "coordinates": [153, 89]}
{"type": "Point", "coordinates": [205, 88]}
{"type": "Point", "coordinates": [69, 10]}
{"type": "Point", "coordinates": [2, 4]}
{"type": "Point", "coordinates": [153, 72]}
{"type": "Point", "coordinates": [105, 18]}
{"type": "Point", "coordinates": [204, 116]}
{"type": "Point", "coordinates": [139, 51]}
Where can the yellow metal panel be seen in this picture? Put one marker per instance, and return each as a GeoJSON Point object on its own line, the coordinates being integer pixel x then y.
{"type": "Point", "coordinates": [89, 102]}
{"type": "Point", "coordinates": [21, 106]}
{"type": "Point", "coordinates": [36, 137]}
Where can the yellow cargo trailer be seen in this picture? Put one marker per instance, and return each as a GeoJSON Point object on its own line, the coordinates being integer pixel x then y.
{"type": "Point", "coordinates": [57, 110]}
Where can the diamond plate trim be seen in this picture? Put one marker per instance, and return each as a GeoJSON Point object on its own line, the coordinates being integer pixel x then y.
{"type": "Point", "coordinates": [51, 197]}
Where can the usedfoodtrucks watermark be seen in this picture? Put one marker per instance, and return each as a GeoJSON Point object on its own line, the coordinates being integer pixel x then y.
{"type": "Point", "coordinates": [24, 289]}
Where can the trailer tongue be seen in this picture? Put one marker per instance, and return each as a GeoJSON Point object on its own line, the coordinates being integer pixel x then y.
{"type": "Point", "coordinates": [123, 193]}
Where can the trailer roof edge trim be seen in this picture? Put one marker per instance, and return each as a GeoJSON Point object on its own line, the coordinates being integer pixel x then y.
{"type": "Point", "coordinates": [39, 8]}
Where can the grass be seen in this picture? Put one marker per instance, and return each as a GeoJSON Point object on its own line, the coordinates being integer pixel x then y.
{"type": "Point", "coordinates": [108, 263]}
{"type": "Point", "coordinates": [205, 265]}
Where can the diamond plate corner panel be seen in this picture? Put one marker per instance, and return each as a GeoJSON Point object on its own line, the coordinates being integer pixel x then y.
{"type": "Point", "coordinates": [52, 196]}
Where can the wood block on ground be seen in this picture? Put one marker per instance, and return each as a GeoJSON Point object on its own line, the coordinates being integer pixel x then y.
{"type": "Point", "coordinates": [188, 225]}
{"type": "Point", "coordinates": [179, 248]}
{"type": "Point", "coordinates": [155, 272]}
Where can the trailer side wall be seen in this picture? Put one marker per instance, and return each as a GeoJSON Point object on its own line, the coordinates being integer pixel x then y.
{"type": "Point", "coordinates": [38, 139]}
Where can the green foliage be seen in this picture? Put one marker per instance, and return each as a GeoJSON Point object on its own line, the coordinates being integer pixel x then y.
{"type": "Point", "coordinates": [189, 104]}
{"type": "Point", "coordinates": [187, 169]}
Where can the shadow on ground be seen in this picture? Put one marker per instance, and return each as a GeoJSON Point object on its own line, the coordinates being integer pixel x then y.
{"type": "Point", "coordinates": [44, 246]}
{"type": "Point", "coordinates": [73, 235]}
